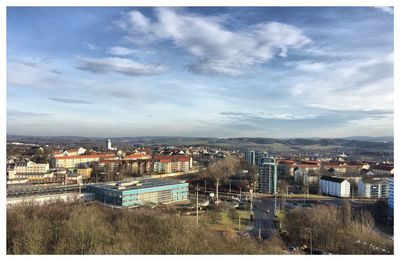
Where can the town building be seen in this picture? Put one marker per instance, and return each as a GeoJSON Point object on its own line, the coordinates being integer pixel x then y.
{"type": "Point", "coordinates": [85, 173]}
{"type": "Point", "coordinates": [31, 167]}
{"type": "Point", "coordinates": [382, 169]}
{"type": "Point", "coordinates": [268, 176]}
{"type": "Point", "coordinates": [334, 186]}
{"type": "Point", "coordinates": [72, 162]}
{"type": "Point", "coordinates": [373, 187]}
{"type": "Point", "coordinates": [140, 192]}
{"type": "Point", "coordinates": [163, 164]}
{"type": "Point", "coordinates": [286, 167]}
{"type": "Point", "coordinates": [69, 152]}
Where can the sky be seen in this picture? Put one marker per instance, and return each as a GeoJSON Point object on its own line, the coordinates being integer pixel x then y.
{"type": "Point", "coordinates": [279, 72]}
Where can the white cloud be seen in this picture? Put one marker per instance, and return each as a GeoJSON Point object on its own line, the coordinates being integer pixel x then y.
{"type": "Point", "coordinates": [216, 49]}
{"type": "Point", "coordinates": [120, 65]}
{"type": "Point", "coordinates": [120, 51]}
{"type": "Point", "coordinates": [386, 9]}
{"type": "Point", "coordinates": [348, 85]}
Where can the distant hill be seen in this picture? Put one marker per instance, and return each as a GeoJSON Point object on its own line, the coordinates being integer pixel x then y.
{"type": "Point", "coordinates": [270, 144]}
{"type": "Point", "coordinates": [373, 139]}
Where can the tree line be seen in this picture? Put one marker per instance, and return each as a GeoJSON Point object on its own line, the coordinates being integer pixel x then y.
{"type": "Point", "coordinates": [335, 229]}
{"type": "Point", "coordinates": [94, 229]}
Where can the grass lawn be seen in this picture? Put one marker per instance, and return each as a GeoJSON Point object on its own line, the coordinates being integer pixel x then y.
{"type": "Point", "coordinates": [224, 221]}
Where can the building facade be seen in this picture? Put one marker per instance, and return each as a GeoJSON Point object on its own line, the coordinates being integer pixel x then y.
{"type": "Point", "coordinates": [268, 176]}
{"type": "Point", "coordinates": [333, 186]}
{"type": "Point", "coordinates": [373, 187]}
{"type": "Point", "coordinates": [255, 158]}
{"type": "Point", "coordinates": [72, 162]}
{"type": "Point", "coordinates": [250, 157]}
{"type": "Point", "coordinates": [391, 200]}
{"type": "Point", "coordinates": [140, 192]}
{"type": "Point", "coordinates": [31, 167]}
{"type": "Point", "coordinates": [171, 164]}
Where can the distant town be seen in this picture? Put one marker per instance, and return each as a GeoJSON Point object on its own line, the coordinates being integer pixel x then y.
{"type": "Point", "coordinates": [260, 187]}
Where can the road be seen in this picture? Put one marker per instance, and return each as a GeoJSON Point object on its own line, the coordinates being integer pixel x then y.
{"type": "Point", "coordinates": [263, 220]}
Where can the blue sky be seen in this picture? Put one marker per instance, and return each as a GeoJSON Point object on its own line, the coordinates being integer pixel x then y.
{"type": "Point", "coordinates": [219, 72]}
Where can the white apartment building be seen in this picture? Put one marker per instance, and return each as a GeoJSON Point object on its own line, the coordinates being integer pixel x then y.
{"type": "Point", "coordinates": [373, 188]}
{"type": "Point", "coordinates": [333, 186]}
{"type": "Point", "coordinates": [31, 167]}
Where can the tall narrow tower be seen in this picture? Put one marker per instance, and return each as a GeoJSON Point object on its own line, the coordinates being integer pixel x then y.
{"type": "Point", "coordinates": [268, 176]}
{"type": "Point", "coordinates": [109, 145]}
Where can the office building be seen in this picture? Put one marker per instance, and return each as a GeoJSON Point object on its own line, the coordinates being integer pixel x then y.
{"type": "Point", "coordinates": [140, 192]}
{"type": "Point", "coordinates": [333, 186]}
{"type": "Point", "coordinates": [109, 147]}
{"type": "Point", "coordinates": [268, 176]}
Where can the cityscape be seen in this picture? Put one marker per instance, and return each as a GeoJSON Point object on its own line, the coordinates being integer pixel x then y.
{"type": "Point", "coordinates": [200, 130]}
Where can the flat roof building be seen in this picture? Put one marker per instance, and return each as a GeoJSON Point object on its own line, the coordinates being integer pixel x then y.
{"type": "Point", "coordinates": [140, 192]}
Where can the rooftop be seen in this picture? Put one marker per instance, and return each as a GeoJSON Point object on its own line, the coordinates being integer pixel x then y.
{"type": "Point", "coordinates": [137, 184]}
{"type": "Point", "coordinates": [334, 179]}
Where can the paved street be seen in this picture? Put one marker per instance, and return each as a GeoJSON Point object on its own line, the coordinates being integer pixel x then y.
{"type": "Point", "coordinates": [263, 224]}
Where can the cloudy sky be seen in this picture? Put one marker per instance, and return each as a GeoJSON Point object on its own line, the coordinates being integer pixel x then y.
{"type": "Point", "coordinates": [215, 72]}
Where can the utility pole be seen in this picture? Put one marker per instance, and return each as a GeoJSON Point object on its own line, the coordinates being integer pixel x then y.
{"type": "Point", "coordinates": [251, 199]}
{"type": "Point", "coordinates": [239, 222]}
{"type": "Point", "coordinates": [197, 204]}
{"type": "Point", "coordinates": [217, 188]}
{"type": "Point", "coordinates": [80, 199]}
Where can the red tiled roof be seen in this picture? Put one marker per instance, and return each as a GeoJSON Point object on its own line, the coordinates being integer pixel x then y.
{"type": "Point", "coordinates": [169, 158]}
{"type": "Point", "coordinates": [303, 166]}
{"type": "Point", "coordinates": [286, 161]}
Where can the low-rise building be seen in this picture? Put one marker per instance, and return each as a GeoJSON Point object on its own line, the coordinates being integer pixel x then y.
{"type": "Point", "coordinates": [85, 173]}
{"type": "Point", "coordinates": [286, 167]}
{"type": "Point", "coordinates": [171, 164]}
{"type": "Point", "coordinates": [140, 192]}
{"type": "Point", "coordinates": [373, 187]}
{"type": "Point", "coordinates": [382, 169]}
{"type": "Point", "coordinates": [31, 167]}
{"type": "Point", "coordinates": [71, 162]}
{"type": "Point", "coordinates": [334, 186]}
